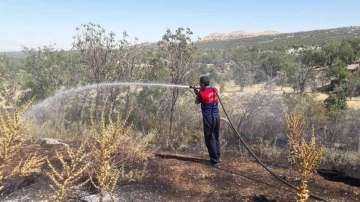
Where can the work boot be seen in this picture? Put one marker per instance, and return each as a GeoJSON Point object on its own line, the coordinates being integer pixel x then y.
{"type": "Point", "coordinates": [212, 163]}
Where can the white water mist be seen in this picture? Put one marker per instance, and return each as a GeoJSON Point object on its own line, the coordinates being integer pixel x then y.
{"type": "Point", "coordinates": [72, 91]}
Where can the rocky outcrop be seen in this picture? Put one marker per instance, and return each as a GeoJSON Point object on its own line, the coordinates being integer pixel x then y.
{"type": "Point", "coordinates": [236, 35]}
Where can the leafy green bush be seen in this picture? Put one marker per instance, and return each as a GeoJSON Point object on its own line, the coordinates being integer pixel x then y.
{"type": "Point", "coordinates": [335, 102]}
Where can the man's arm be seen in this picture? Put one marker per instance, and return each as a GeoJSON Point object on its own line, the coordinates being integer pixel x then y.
{"type": "Point", "coordinates": [196, 101]}
{"type": "Point", "coordinates": [198, 97]}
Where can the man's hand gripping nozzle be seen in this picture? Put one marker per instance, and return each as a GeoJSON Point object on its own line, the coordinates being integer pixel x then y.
{"type": "Point", "coordinates": [196, 89]}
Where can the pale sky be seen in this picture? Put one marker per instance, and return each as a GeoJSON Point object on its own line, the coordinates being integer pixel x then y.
{"type": "Point", "coordinates": [35, 23]}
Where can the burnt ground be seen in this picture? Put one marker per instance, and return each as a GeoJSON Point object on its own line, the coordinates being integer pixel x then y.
{"type": "Point", "coordinates": [175, 176]}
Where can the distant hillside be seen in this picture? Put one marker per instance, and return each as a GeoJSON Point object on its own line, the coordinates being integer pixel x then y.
{"type": "Point", "coordinates": [20, 54]}
{"type": "Point", "coordinates": [237, 35]}
{"type": "Point", "coordinates": [15, 54]}
{"type": "Point", "coordinates": [266, 39]}
{"type": "Point", "coordinates": [296, 39]}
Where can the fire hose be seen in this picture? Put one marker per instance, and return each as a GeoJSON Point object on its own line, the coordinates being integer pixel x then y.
{"type": "Point", "coordinates": [252, 153]}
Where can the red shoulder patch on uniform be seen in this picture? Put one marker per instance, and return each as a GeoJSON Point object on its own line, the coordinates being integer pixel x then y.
{"type": "Point", "coordinates": [209, 96]}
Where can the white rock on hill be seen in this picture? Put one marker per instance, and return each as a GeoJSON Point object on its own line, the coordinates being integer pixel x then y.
{"type": "Point", "coordinates": [236, 35]}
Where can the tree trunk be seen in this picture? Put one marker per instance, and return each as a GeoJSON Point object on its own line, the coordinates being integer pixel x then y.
{"type": "Point", "coordinates": [112, 99]}
{"type": "Point", "coordinates": [83, 109]}
{"type": "Point", "coordinates": [113, 102]}
{"type": "Point", "coordinates": [359, 144]}
{"type": "Point", "coordinates": [175, 94]}
{"type": "Point", "coordinates": [97, 98]}
{"type": "Point", "coordinates": [127, 100]}
{"type": "Point", "coordinates": [302, 88]}
{"type": "Point", "coordinates": [104, 101]}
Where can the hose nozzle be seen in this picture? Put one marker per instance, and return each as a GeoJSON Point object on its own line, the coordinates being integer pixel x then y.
{"type": "Point", "coordinates": [194, 87]}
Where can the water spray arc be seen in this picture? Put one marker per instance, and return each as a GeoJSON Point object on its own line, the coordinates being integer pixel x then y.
{"type": "Point", "coordinates": [69, 92]}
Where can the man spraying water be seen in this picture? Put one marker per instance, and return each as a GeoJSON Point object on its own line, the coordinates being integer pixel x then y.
{"type": "Point", "coordinates": [208, 99]}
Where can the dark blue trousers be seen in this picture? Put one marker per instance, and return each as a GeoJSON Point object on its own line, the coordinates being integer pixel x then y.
{"type": "Point", "coordinates": [211, 125]}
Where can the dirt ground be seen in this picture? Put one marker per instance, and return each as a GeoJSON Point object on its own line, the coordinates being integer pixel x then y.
{"type": "Point", "coordinates": [175, 176]}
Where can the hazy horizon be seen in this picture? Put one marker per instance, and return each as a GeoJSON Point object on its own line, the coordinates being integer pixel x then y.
{"type": "Point", "coordinates": [38, 23]}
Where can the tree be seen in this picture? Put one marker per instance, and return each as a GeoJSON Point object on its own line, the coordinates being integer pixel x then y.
{"type": "Point", "coordinates": [313, 58]}
{"type": "Point", "coordinates": [2, 80]}
{"type": "Point", "coordinates": [105, 60]}
{"type": "Point", "coordinates": [346, 52]}
{"type": "Point", "coordinates": [222, 86]}
{"type": "Point", "coordinates": [283, 65]}
{"type": "Point", "coordinates": [352, 83]}
{"type": "Point", "coordinates": [250, 55]}
{"type": "Point", "coordinates": [156, 69]}
{"type": "Point", "coordinates": [151, 102]}
{"type": "Point", "coordinates": [206, 58]}
{"type": "Point", "coordinates": [9, 84]}
{"type": "Point", "coordinates": [242, 76]}
{"type": "Point", "coordinates": [259, 75]}
{"type": "Point", "coordinates": [337, 99]}
{"type": "Point", "coordinates": [309, 60]}
{"type": "Point", "coordinates": [46, 71]}
{"type": "Point", "coordinates": [335, 102]}
{"type": "Point", "coordinates": [332, 51]}
{"type": "Point", "coordinates": [355, 44]}
{"type": "Point", "coordinates": [130, 65]}
{"type": "Point", "coordinates": [75, 71]}
{"type": "Point", "coordinates": [178, 52]}
{"type": "Point", "coordinates": [290, 73]}
{"type": "Point", "coordinates": [97, 51]}
{"type": "Point", "coordinates": [338, 71]}
{"type": "Point", "coordinates": [276, 61]}
{"type": "Point", "coordinates": [150, 105]}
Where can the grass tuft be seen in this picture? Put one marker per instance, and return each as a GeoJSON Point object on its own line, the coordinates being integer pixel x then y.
{"type": "Point", "coordinates": [73, 169]}
{"type": "Point", "coordinates": [308, 157]}
{"type": "Point", "coordinates": [12, 137]}
{"type": "Point", "coordinates": [106, 139]}
{"type": "Point", "coordinates": [304, 156]}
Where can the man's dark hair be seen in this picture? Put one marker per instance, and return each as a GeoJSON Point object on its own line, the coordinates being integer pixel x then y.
{"type": "Point", "coordinates": [205, 80]}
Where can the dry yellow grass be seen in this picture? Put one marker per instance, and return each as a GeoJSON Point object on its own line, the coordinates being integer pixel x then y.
{"type": "Point", "coordinates": [354, 103]}
{"type": "Point", "coordinates": [320, 96]}
{"type": "Point", "coordinates": [232, 89]}
{"type": "Point", "coordinates": [12, 132]}
{"type": "Point", "coordinates": [294, 128]}
{"type": "Point", "coordinates": [67, 178]}
{"type": "Point", "coordinates": [308, 158]}
{"type": "Point", "coordinates": [105, 141]}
